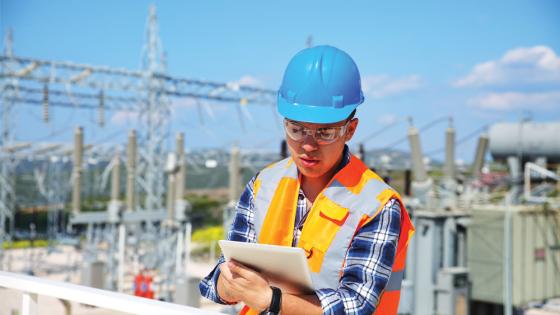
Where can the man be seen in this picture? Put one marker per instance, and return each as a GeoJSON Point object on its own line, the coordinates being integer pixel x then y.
{"type": "Point", "coordinates": [353, 227]}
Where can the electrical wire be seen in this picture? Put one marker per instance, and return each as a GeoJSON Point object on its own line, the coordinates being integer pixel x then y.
{"type": "Point", "coordinates": [381, 130]}
{"type": "Point", "coordinates": [421, 130]}
{"type": "Point", "coordinates": [460, 141]}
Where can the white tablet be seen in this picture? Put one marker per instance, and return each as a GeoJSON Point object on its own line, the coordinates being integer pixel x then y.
{"type": "Point", "coordinates": [287, 262]}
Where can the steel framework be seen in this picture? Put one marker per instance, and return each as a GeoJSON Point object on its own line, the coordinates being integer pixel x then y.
{"type": "Point", "coordinates": [65, 84]}
{"type": "Point", "coordinates": [146, 92]}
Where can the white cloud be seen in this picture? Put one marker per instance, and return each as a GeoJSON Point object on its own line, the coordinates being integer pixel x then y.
{"type": "Point", "coordinates": [516, 100]}
{"type": "Point", "coordinates": [387, 119]}
{"type": "Point", "coordinates": [184, 102]}
{"type": "Point", "coordinates": [185, 107]}
{"type": "Point", "coordinates": [124, 117]}
{"type": "Point", "coordinates": [525, 66]}
{"type": "Point", "coordinates": [380, 86]}
{"type": "Point", "coordinates": [246, 80]}
{"type": "Point", "coordinates": [249, 80]}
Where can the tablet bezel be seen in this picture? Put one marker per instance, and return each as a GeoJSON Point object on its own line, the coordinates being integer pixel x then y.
{"type": "Point", "coordinates": [265, 258]}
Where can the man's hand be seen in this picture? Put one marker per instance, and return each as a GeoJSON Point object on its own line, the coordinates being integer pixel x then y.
{"type": "Point", "coordinates": [241, 283]}
{"type": "Point", "coordinates": [287, 287]}
{"type": "Point", "coordinates": [225, 290]}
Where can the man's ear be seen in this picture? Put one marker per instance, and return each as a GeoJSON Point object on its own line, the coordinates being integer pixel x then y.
{"type": "Point", "coordinates": [351, 129]}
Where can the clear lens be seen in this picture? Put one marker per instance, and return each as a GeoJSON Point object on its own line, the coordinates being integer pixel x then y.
{"type": "Point", "coordinates": [294, 131]}
{"type": "Point", "coordinates": [322, 135]}
{"type": "Point", "coordinates": [327, 134]}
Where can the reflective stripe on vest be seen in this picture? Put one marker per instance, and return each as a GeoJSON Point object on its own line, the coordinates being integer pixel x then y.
{"type": "Point", "coordinates": [353, 198]}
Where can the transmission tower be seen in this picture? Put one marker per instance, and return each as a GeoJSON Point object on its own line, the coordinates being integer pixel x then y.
{"type": "Point", "coordinates": [154, 114]}
{"type": "Point", "coordinates": [7, 162]}
{"type": "Point", "coordinates": [147, 93]}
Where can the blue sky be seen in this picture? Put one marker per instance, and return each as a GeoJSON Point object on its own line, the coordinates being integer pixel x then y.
{"type": "Point", "coordinates": [478, 61]}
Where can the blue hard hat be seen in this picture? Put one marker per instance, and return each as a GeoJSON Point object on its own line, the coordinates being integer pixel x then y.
{"type": "Point", "coordinates": [321, 85]}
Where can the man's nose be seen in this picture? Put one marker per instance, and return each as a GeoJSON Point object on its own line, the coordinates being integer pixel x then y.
{"type": "Point", "coordinates": [309, 143]}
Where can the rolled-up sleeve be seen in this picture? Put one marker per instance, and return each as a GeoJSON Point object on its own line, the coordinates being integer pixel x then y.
{"type": "Point", "coordinates": [242, 230]}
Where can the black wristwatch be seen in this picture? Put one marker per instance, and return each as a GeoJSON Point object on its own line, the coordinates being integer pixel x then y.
{"type": "Point", "coordinates": [275, 303]}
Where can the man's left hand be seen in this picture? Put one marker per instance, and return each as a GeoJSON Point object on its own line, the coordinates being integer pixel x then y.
{"type": "Point", "coordinates": [253, 288]}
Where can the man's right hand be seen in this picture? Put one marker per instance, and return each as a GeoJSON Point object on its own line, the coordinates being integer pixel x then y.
{"type": "Point", "coordinates": [224, 291]}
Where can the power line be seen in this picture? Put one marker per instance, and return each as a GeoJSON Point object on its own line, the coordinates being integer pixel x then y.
{"type": "Point", "coordinates": [426, 127]}
{"type": "Point", "coordinates": [381, 130]}
{"type": "Point", "coordinates": [459, 142]}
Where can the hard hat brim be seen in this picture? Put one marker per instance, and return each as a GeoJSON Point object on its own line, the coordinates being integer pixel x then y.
{"type": "Point", "coordinates": [314, 114]}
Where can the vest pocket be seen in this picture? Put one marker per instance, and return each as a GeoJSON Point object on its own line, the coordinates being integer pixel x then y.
{"type": "Point", "coordinates": [326, 218]}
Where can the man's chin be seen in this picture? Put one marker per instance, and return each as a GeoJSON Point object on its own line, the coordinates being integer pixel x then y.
{"type": "Point", "coordinates": [311, 172]}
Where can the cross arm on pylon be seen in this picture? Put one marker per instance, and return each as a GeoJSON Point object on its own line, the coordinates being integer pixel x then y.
{"type": "Point", "coordinates": [119, 80]}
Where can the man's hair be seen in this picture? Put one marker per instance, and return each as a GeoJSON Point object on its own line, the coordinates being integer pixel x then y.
{"type": "Point", "coordinates": [351, 116]}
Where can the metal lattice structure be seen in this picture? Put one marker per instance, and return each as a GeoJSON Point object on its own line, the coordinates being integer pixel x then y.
{"type": "Point", "coordinates": [7, 161]}
{"type": "Point", "coordinates": [147, 92]}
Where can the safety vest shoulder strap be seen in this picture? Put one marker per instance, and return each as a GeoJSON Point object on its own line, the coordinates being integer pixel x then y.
{"type": "Point", "coordinates": [275, 194]}
{"type": "Point", "coordinates": [270, 176]}
{"type": "Point", "coordinates": [358, 188]}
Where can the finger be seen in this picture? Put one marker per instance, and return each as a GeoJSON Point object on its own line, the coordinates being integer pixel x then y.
{"type": "Point", "coordinates": [231, 280]}
{"type": "Point", "coordinates": [239, 281]}
{"type": "Point", "coordinates": [226, 272]}
{"type": "Point", "coordinates": [236, 287]}
{"type": "Point", "coordinates": [232, 274]}
{"type": "Point", "coordinates": [241, 270]}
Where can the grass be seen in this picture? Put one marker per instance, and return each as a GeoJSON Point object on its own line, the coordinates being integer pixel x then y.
{"type": "Point", "coordinates": [24, 244]}
{"type": "Point", "coordinates": [207, 237]}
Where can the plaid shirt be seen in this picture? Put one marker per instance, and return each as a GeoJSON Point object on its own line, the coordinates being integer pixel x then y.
{"type": "Point", "coordinates": [369, 260]}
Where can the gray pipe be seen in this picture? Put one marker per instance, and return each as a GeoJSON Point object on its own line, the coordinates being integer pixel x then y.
{"type": "Point", "coordinates": [418, 168]}
{"type": "Point", "coordinates": [115, 179]}
{"type": "Point", "coordinates": [234, 175]}
{"type": "Point", "coordinates": [180, 204]}
{"type": "Point", "coordinates": [171, 194]}
{"type": "Point", "coordinates": [131, 172]}
{"type": "Point", "coordinates": [558, 173]}
{"type": "Point", "coordinates": [77, 170]}
{"type": "Point", "coordinates": [180, 146]}
{"type": "Point", "coordinates": [481, 149]}
{"type": "Point", "coordinates": [115, 204]}
{"type": "Point", "coordinates": [449, 167]}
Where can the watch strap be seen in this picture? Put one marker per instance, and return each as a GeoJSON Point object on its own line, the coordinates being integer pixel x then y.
{"type": "Point", "coordinates": [275, 302]}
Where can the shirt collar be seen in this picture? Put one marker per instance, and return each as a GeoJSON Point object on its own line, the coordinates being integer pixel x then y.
{"type": "Point", "coordinates": [345, 158]}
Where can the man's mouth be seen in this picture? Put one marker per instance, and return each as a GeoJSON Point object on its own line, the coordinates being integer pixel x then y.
{"type": "Point", "coordinates": [308, 162]}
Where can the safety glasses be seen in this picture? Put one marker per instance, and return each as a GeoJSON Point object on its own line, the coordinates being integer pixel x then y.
{"type": "Point", "coordinates": [323, 135]}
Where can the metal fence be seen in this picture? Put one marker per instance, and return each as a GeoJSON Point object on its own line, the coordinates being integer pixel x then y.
{"type": "Point", "coordinates": [34, 286]}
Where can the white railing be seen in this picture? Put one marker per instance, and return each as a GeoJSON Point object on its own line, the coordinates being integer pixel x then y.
{"type": "Point", "coordinates": [34, 286]}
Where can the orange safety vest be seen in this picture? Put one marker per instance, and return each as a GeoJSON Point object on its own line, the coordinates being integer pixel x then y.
{"type": "Point", "coordinates": [149, 292]}
{"type": "Point", "coordinates": [143, 286]}
{"type": "Point", "coordinates": [138, 281]}
{"type": "Point", "coordinates": [353, 197]}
